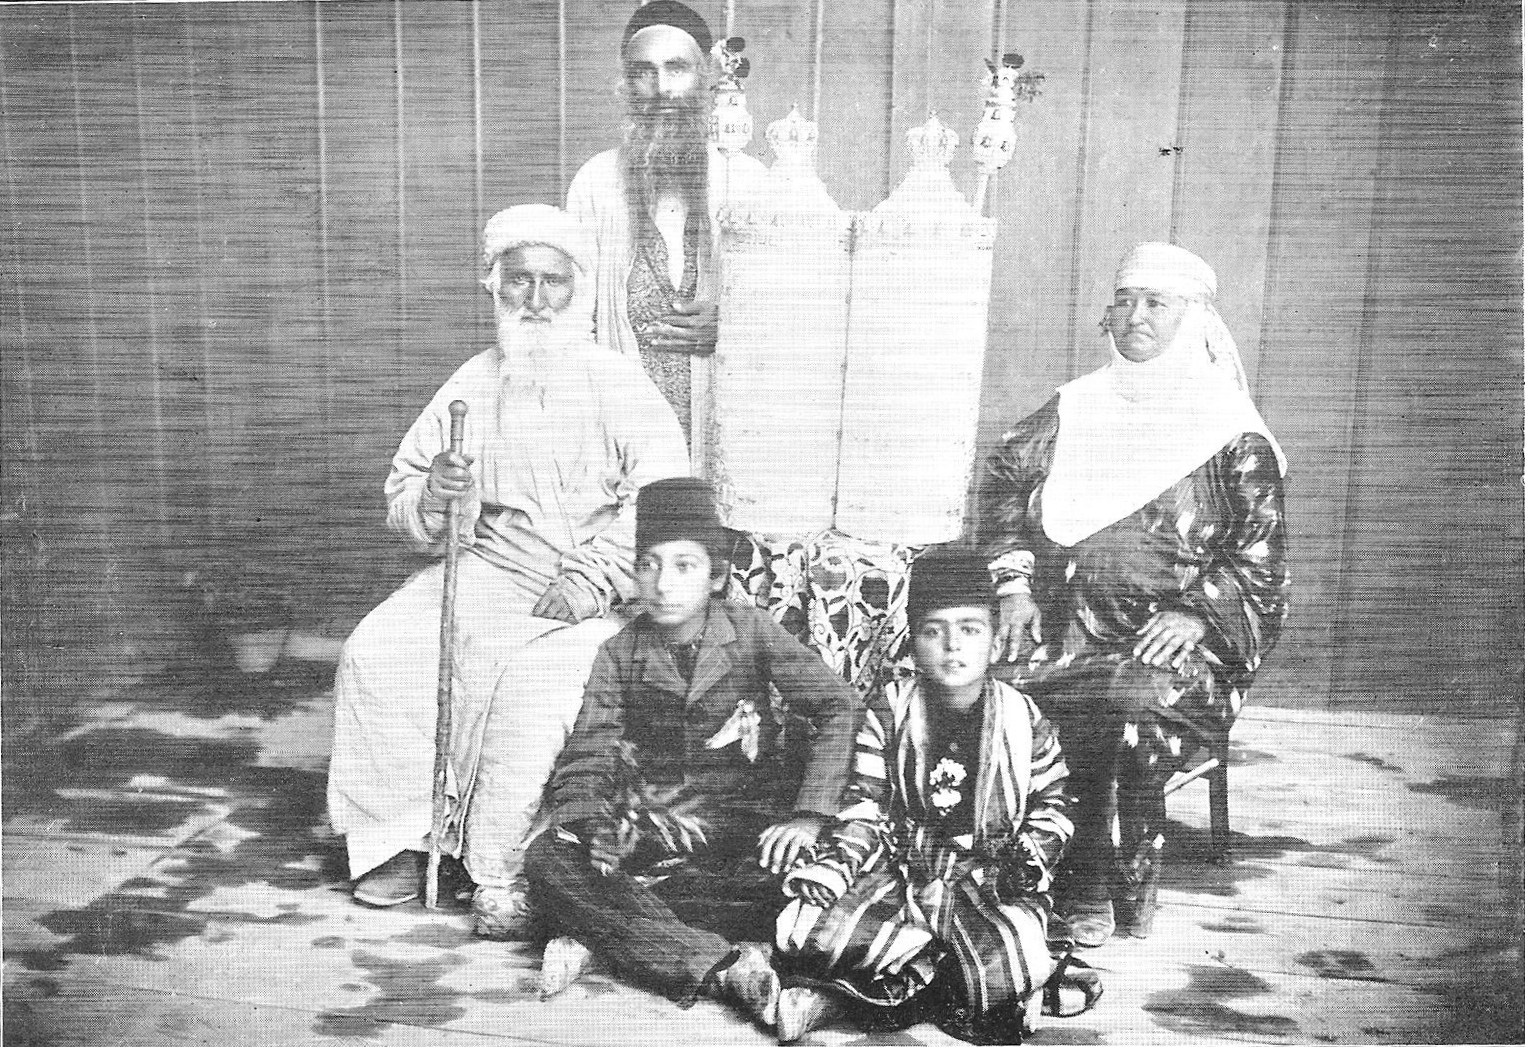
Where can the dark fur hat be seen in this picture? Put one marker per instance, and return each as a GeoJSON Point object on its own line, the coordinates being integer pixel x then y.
{"type": "Point", "coordinates": [948, 576]}
{"type": "Point", "coordinates": [678, 508]}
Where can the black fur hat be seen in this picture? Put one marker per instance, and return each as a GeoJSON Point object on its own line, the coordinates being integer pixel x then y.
{"type": "Point", "coordinates": [948, 576]}
{"type": "Point", "coordinates": [682, 507]}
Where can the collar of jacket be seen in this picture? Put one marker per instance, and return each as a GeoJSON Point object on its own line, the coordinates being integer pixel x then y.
{"type": "Point", "coordinates": [655, 668]}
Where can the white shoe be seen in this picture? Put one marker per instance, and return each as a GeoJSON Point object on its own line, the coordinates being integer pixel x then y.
{"type": "Point", "coordinates": [751, 986]}
{"type": "Point", "coordinates": [564, 961]}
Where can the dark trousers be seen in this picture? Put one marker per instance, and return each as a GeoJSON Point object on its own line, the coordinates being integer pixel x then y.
{"type": "Point", "coordinates": [1108, 719]}
{"type": "Point", "coordinates": [666, 936]}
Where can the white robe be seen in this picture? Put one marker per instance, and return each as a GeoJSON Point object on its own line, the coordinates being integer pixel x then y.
{"type": "Point", "coordinates": [557, 465]}
{"type": "Point", "coordinates": [597, 198]}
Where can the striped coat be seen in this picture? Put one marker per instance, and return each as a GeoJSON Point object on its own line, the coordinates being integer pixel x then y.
{"type": "Point", "coordinates": [910, 901]}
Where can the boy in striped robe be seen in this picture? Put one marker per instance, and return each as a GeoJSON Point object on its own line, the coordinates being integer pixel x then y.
{"type": "Point", "coordinates": [931, 897]}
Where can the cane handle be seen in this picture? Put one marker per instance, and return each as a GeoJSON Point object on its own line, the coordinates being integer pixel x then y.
{"type": "Point", "coordinates": [457, 425]}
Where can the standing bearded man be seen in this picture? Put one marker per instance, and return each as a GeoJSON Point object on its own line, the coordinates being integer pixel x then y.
{"type": "Point", "coordinates": [651, 204]}
{"type": "Point", "coordinates": [559, 436]}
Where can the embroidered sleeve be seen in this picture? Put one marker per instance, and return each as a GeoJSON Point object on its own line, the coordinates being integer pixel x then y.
{"type": "Point", "coordinates": [1009, 525]}
{"type": "Point", "coordinates": [859, 831]}
{"type": "Point", "coordinates": [1047, 828]}
{"type": "Point", "coordinates": [1242, 594]}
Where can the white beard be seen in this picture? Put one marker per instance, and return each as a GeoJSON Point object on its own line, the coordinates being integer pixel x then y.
{"type": "Point", "coordinates": [536, 353]}
{"type": "Point", "coordinates": [534, 342]}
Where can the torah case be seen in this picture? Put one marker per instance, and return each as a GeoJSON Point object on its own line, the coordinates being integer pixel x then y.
{"type": "Point", "coordinates": [847, 372]}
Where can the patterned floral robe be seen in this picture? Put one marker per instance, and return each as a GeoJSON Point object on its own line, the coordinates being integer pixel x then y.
{"type": "Point", "coordinates": [1213, 545]}
{"type": "Point", "coordinates": [917, 903]}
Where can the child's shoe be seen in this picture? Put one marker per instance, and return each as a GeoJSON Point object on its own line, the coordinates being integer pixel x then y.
{"type": "Point", "coordinates": [563, 963]}
{"type": "Point", "coordinates": [502, 913]}
{"type": "Point", "coordinates": [1090, 923]}
{"type": "Point", "coordinates": [802, 1009]}
{"type": "Point", "coordinates": [751, 986]}
{"type": "Point", "coordinates": [1073, 989]}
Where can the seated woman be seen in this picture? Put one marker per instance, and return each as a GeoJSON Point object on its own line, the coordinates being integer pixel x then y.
{"type": "Point", "coordinates": [930, 898]}
{"type": "Point", "coordinates": [1134, 525]}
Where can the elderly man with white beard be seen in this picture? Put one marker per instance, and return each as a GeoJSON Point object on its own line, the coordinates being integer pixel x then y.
{"type": "Point", "coordinates": [559, 436]}
{"type": "Point", "coordinates": [652, 203]}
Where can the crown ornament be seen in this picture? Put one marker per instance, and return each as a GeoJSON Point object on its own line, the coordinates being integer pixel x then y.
{"type": "Point", "coordinates": [932, 144]}
{"type": "Point", "coordinates": [795, 185]}
{"type": "Point", "coordinates": [793, 140]}
{"type": "Point", "coordinates": [927, 193]}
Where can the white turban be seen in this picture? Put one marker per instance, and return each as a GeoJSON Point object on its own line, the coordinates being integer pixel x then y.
{"type": "Point", "coordinates": [535, 225]}
{"type": "Point", "coordinates": [1168, 268]}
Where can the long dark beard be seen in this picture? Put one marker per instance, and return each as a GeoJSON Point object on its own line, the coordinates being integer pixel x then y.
{"type": "Point", "coordinates": [665, 154]}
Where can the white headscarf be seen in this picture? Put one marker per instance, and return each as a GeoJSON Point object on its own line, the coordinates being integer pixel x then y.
{"type": "Point", "coordinates": [1132, 429]}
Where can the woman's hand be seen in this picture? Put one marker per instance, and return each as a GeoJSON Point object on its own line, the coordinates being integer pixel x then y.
{"type": "Point", "coordinates": [1168, 639]}
{"type": "Point", "coordinates": [1018, 631]}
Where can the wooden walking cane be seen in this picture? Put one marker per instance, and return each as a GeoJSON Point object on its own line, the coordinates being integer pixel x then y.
{"type": "Point", "coordinates": [446, 669]}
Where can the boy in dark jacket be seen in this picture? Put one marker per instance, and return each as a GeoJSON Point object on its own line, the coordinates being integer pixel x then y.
{"type": "Point", "coordinates": [675, 805]}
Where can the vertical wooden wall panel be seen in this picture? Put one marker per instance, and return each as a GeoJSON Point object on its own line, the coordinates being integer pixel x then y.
{"type": "Point", "coordinates": [374, 366]}
{"type": "Point", "coordinates": [1034, 201]}
{"type": "Point", "coordinates": [207, 270]}
{"type": "Point", "coordinates": [938, 64]}
{"type": "Point", "coordinates": [1321, 224]}
{"type": "Point", "coordinates": [227, 405]}
{"type": "Point", "coordinates": [26, 514]}
{"type": "Point", "coordinates": [519, 96]}
{"type": "Point", "coordinates": [861, 142]}
{"type": "Point", "coordinates": [109, 310]}
{"type": "Point", "coordinates": [778, 37]}
{"type": "Point", "coordinates": [855, 147]}
{"type": "Point", "coordinates": [198, 202]}
{"type": "Point", "coordinates": [1227, 132]}
{"type": "Point", "coordinates": [444, 324]}
{"type": "Point", "coordinates": [594, 109]}
{"type": "Point", "coordinates": [264, 295]}
{"type": "Point", "coordinates": [1135, 69]}
{"type": "Point", "coordinates": [1428, 615]}
{"type": "Point", "coordinates": [173, 213]}
{"type": "Point", "coordinates": [154, 346]}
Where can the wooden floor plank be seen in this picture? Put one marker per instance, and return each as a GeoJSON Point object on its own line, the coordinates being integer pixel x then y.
{"type": "Point", "coordinates": [1365, 905]}
{"type": "Point", "coordinates": [1170, 995]}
